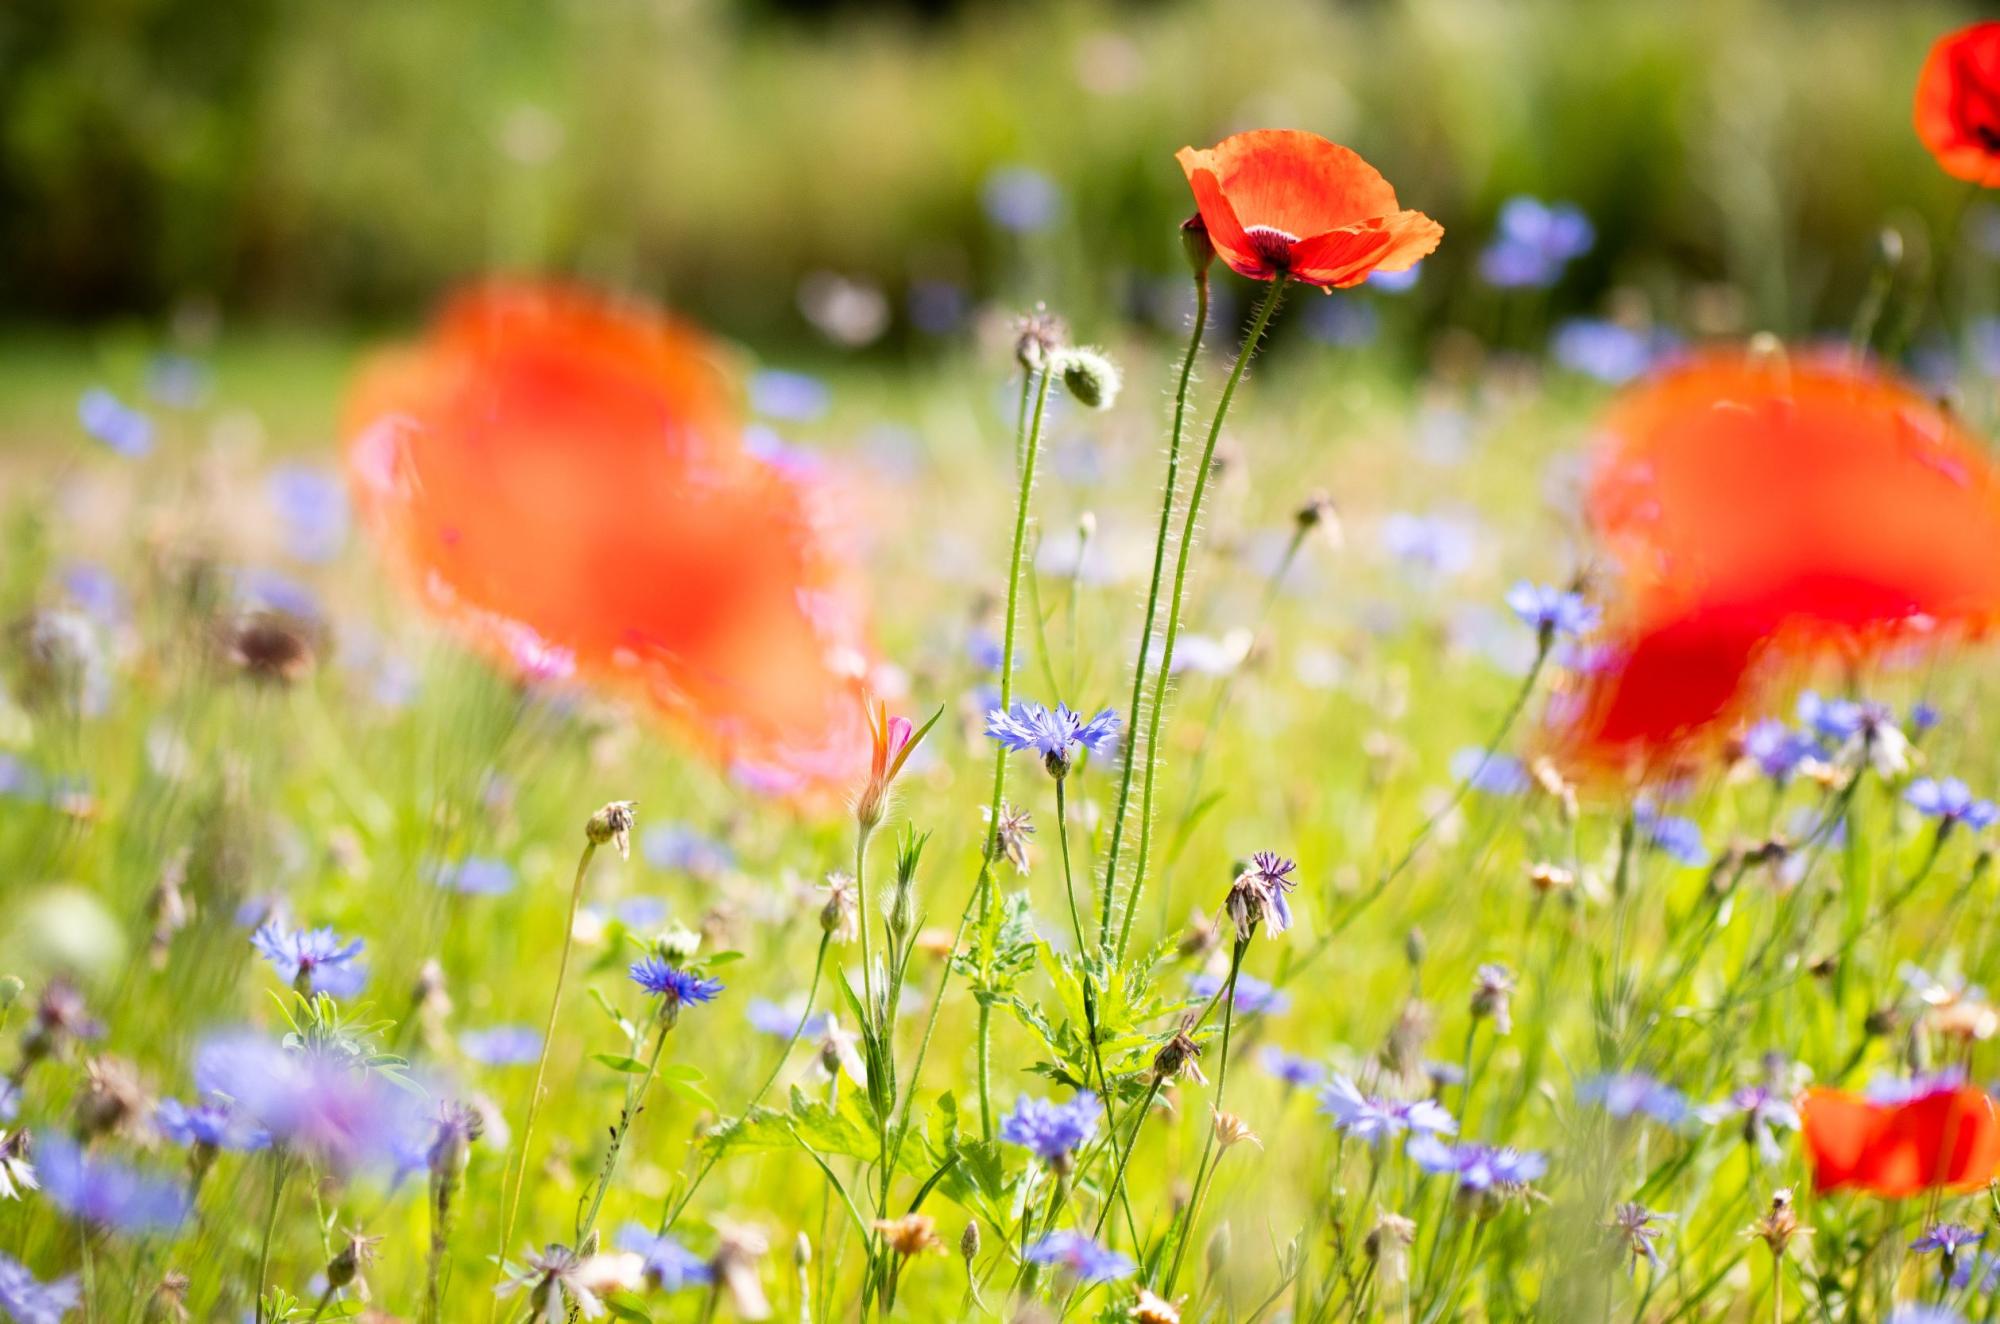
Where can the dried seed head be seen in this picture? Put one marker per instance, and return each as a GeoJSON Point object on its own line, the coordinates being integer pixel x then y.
{"type": "Point", "coordinates": [912, 1234]}
{"type": "Point", "coordinates": [1231, 1130]}
{"type": "Point", "coordinates": [272, 647]}
{"type": "Point", "coordinates": [1150, 1309]}
{"type": "Point", "coordinates": [1779, 1225]}
{"type": "Point", "coordinates": [1038, 338]}
{"type": "Point", "coordinates": [613, 825]}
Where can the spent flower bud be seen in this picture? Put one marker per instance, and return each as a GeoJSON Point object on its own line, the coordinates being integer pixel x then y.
{"type": "Point", "coordinates": [612, 825]}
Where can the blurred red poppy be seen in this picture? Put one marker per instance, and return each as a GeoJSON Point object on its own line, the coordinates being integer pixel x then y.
{"type": "Point", "coordinates": [561, 476]}
{"type": "Point", "coordinates": [1280, 202]}
{"type": "Point", "coordinates": [1761, 510]}
{"type": "Point", "coordinates": [1945, 1138]}
{"type": "Point", "coordinates": [1958, 103]}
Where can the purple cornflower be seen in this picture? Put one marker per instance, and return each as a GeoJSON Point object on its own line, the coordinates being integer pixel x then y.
{"type": "Point", "coordinates": [1948, 1239]}
{"type": "Point", "coordinates": [1916, 1312]}
{"type": "Point", "coordinates": [1634, 1094]}
{"type": "Point", "coordinates": [1490, 773]}
{"type": "Point", "coordinates": [1634, 1224]}
{"type": "Point", "coordinates": [337, 1110]}
{"type": "Point", "coordinates": [681, 849]}
{"type": "Point", "coordinates": [476, 875]}
{"type": "Point", "coordinates": [1831, 719]}
{"type": "Point", "coordinates": [1373, 1119]}
{"type": "Point", "coordinates": [1924, 716]}
{"type": "Point", "coordinates": [312, 960]}
{"type": "Point", "coordinates": [1677, 838]}
{"type": "Point", "coordinates": [670, 1266]}
{"type": "Point", "coordinates": [1252, 997]}
{"type": "Point", "coordinates": [1081, 1258]}
{"type": "Point", "coordinates": [1950, 802]}
{"type": "Point", "coordinates": [1535, 241]}
{"type": "Point", "coordinates": [1762, 1109]}
{"type": "Point", "coordinates": [1051, 1131]}
{"type": "Point", "coordinates": [208, 1126]}
{"type": "Point", "coordinates": [1020, 199]}
{"type": "Point", "coordinates": [677, 986]}
{"type": "Point", "coordinates": [1429, 544]}
{"type": "Point", "coordinates": [115, 423]}
{"type": "Point", "coordinates": [781, 1019]}
{"type": "Point", "coordinates": [502, 1045]}
{"type": "Point", "coordinates": [311, 505]}
{"type": "Point", "coordinates": [1055, 735]}
{"type": "Point", "coordinates": [1610, 352]}
{"type": "Point", "coordinates": [27, 1300]}
{"type": "Point", "coordinates": [1478, 1168]}
{"type": "Point", "coordinates": [1778, 749]}
{"type": "Point", "coordinates": [1300, 1073]}
{"type": "Point", "coordinates": [102, 1191]}
{"type": "Point", "coordinates": [1551, 612]}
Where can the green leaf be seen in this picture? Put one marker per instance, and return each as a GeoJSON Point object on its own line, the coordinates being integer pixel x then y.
{"type": "Point", "coordinates": [631, 1066]}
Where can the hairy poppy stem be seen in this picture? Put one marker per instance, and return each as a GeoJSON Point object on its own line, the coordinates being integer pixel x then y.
{"type": "Point", "coordinates": [1169, 492]}
{"type": "Point", "coordinates": [1164, 672]}
{"type": "Point", "coordinates": [541, 1069]}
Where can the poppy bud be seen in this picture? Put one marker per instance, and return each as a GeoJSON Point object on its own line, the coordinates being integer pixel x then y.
{"type": "Point", "coordinates": [1091, 377]}
{"type": "Point", "coordinates": [1195, 243]}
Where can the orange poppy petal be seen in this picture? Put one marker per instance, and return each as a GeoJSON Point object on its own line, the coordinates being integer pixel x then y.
{"type": "Point", "coordinates": [1949, 1139]}
{"type": "Point", "coordinates": [1957, 105]}
{"type": "Point", "coordinates": [1225, 232]}
{"type": "Point", "coordinates": [1294, 181]}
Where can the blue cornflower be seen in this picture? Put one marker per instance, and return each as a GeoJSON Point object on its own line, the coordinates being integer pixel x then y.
{"type": "Point", "coordinates": [1550, 611]}
{"type": "Point", "coordinates": [1396, 282]}
{"type": "Point", "coordinates": [10, 1100]}
{"type": "Point", "coordinates": [104, 1192]}
{"type": "Point", "coordinates": [1429, 544]}
{"type": "Point", "coordinates": [1051, 1131]}
{"type": "Point", "coordinates": [1373, 1119]}
{"type": "Point", "coordinates": [1677, 838]}
{"type": "Point", "coordinates": [678, 986]}
{"type": "Point", "coordinates": [1478, 1168]}
{"type": "Point", "coordinates": [1348, 323]}
{"type": "Point", "coordinates": [1950, 802]}
{"type": "Point", "coordinates": [768, 1017]}
{"type": "Point", "coordinates": [210, 1125]}
{"type": "Point", "coordinates": [1763, 1110]}
{"type": "Point", "coordinates": [96, 592]}
{"type": "Point", "coordinates": [1534, 243]}
{"type": "Point", "coordinates": [1916, 1312]}
{"type": "Point", "coordinates": [315, 957]}
{"type": "Point", "coordinates": [1490, 773]}
{"type": "Point", "coordinates": [27, 1300]}
{"type": "Point", "coordinates": [476, 875]}
{"type": "Point", "coordinates": [670, 1266]}
{"type": "Point", "coordinates": [1296, 1072]}
{"type": "Point", "coordinates": [1258, 895]}
{"type": "Point", "coordinates": [1924, 716]}
{"type": "Point", "coordinates": [1610, 352]}
{"type": "Point", "coordinates": [1055, 735]}
{"type": "Point", "coordinates": [311, 505]}
{"type": "Point", "coordinates": [1837, 720]}
{"type": "Point", "coordinates": [111, 421]}
{"type": "Point", "coordinates": [1634, 1094]}
{"type": "Point", "coordinates": [681, 849]}
{"type": "Point", "coordinates": [1947, 1239]}
{"type": "Point", "coordinates": [1252, 997]}
{"type": "Point", "coordinates": [502, 1045]}
{"type": "Point", "coordinates": [1020, 199]}
{"type": "Point", "coordinates": [1893, 1090]}
{"type": "Point", "coordinates": [795, 397]}
{"type": "Point", "coordinates": [306, 1099]}
{"type": "Point", "coordinates": [1081, 1258]}
{"type": "Point", "coordinates": [1778, 749]}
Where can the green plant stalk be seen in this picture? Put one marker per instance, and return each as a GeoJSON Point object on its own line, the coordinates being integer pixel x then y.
{"type": "Point", "coordinates": [1164, 672]}
{"type": "Point", "coordinates": [635, 1099]}
{"type": "Point", "coordinates": [1205, 1169]}
{"type": "Point", "coordinates": [798, 1032]}
{"type": "Point", "coordinates": [1171, 490]}
{"type": "Point", "coordinates": [541, 1070]}
{"type": "Point", "coordinates": [281, 1169]}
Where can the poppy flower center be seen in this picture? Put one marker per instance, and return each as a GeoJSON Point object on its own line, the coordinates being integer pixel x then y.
{"type": "Point", "coordinates": [1271, 244]}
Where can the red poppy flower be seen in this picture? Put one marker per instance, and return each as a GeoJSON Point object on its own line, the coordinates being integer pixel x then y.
{"type": "Point", "coordinates": [561, 476]}
{"type": "Point", "coordinates": [1948, 1138]}
{"type": "Point", "coordinates": [1760, 511]}
{"type": "Point", "coordinates": [1958, 103]}
{"type": "Point", "coordinates": [1279, 202]}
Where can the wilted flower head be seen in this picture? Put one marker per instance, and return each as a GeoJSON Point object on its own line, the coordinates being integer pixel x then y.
{"type": "Point", "coordinates": [1038, 338]}
{"type": "Point", "coordinates": [738, 1248]}
{"type": "Point", "coordinates": [1179, 1056]}
{"type": "Point", "coordinates": [60, 1016]}
{"type": "Point", "coordinates": [275, 647]}
{"type": "Point", "coordinates": [1232, 1130]}
{"type": "Point", "coordinates": [113, 1098]}
{"type": "Point", "coordinates": [1011, 836]}
{"type": "Point", "coordinates": [1150, 1309]}
{"type": "Point", "coordinates": [1637, 1228]}
{"type": "Point", "coordinates": [840, 917]}
{"type": "Point", "coordinates": [1492, 996]}
{"type": "Point", "coordinates": [613, 825]}
{"type": "Point", "coordinates": [558, 1280]}
{"type": "Point", "coordinates": [912, 1234]}
{"type": "Point", "coordinates": [1258, 895]}
{"type": "Point", "coordinates": [1779, 1224]}
{"type": "Point", "coordinates": [17, 1174]}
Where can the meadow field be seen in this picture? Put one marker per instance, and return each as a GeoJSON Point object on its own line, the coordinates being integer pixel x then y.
{"type": "Point", "coordinates": [954, 717]}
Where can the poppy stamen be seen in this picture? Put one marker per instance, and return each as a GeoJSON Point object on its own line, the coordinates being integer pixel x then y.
{"type": "Point", "coordinates": [1272, 245]}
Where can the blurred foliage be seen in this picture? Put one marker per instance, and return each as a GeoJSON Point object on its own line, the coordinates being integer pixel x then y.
{"type": "Point", "coordinates": [346, 158]}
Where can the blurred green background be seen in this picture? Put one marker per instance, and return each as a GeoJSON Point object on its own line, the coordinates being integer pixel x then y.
{"type": "Point", "coordinates": [768, 165]}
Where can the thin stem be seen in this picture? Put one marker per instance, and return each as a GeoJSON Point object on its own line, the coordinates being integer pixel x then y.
{"type": "Point", "coordinates": [541, 1069]}
{"type": "Point", "coordinates": [1069, 879]}
{"type": "Point", "coordinates": [1167, 495]}
{"type": "Point", "coordinates": [798, 1032]}
{"type": "Point", "coordinates": [1164, 672]}
{"type": "Point", "coordinates": [635, 1099]}
{"type": "Point", "coordinates": [281, 1168]}
{"type": "Point", "coordinates": [868, 1007]}
{"type": "Point", "coordinates": [1205, 1169]}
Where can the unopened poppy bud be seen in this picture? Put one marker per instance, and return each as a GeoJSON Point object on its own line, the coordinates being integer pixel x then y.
{"type": "Point", "coordinates": [1197, 245]}
{"type": "Point", "coordinates": [612, 825]}
{"type": "Point", "coordinates": [1091, 377]}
